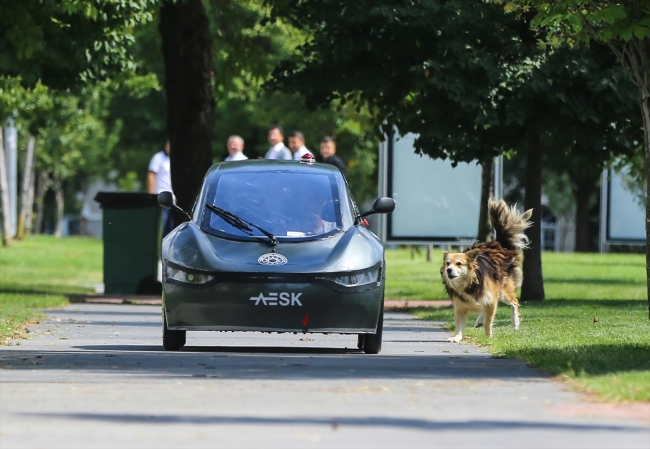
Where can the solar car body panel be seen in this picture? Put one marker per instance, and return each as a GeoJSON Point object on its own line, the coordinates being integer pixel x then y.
{"type": "Point", "coordinates": [274, 246]}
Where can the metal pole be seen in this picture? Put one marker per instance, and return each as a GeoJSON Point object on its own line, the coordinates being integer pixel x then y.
{"type": "Point", "coordinates": [604, 206]}
{"type": "Point", "coordinates": [498, 178]}
{"type": "Point", "coordinates": [11, 159]}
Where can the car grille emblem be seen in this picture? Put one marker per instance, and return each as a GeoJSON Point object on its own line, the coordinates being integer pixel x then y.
{"type": "Point", "coordinates": [272, 259]}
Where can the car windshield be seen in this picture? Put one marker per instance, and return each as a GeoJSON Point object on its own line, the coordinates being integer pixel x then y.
{"type": "Point", "coordinates": [289, 205]}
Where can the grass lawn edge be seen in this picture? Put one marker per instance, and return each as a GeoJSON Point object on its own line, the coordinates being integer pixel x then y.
{"type": "Point", "coordinates": [624, 386]}
{"type": "Point", "coordinates": [19, 315]}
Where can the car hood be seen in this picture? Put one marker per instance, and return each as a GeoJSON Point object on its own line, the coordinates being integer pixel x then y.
{"type": "Point", "coordinates": [355, 249]}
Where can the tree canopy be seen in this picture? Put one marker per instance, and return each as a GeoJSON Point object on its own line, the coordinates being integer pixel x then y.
{"type": "Point", "coordinates": [470, 79]}
{"type": "Point", "coordinates": [61, 43]}
{"type": "Point", "coordinates": [625, 28]}
{"type": "Point", "coordinates": [437, 69]}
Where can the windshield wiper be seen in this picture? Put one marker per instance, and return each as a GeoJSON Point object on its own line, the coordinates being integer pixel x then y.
{"type": "Point", "coordinates": [240, 223]}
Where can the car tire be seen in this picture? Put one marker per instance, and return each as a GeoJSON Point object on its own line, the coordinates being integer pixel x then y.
{"type": "Point", "coordinates": [361, 338]}
{"type": "Point", "coordinates": [173, 340]}
{"type": "Point", "coordinates": [372, 342]}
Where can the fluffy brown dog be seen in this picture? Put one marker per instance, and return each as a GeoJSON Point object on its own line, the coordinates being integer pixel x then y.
{"type": "Point", "coordinates": [489, 272]}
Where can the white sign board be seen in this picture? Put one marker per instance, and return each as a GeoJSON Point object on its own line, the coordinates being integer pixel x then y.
{"type": "Point", "coordinates": [435, 201]}
{"type": "Point", "coordinates": [625, 216]}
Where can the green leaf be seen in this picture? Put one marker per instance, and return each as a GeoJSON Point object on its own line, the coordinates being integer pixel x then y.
{"type": "Point", "coordinates": [617, 11]}
{"type": "Point", "coordinates": [608, 16]}
{"type": "Point", "coordinates": [575, 22]}
{"type": "Point", "coordinates": [639, 32]}
{"type": "Point", "coordinates": [626, 34]}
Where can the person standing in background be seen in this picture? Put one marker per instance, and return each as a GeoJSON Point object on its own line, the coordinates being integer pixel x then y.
{"type": "Point", "coordinates": [236, 149]}
{"type": "Point", "coordinates": [297, 145]}
{"type": "Point", "coordinates": [276, 139]}
{"type": "Point", "coordinates": [159, 180]}
{"type": "Point", "coordinates": [328, 151]}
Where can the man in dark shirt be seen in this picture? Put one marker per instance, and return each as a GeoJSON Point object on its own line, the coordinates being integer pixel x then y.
{"type": "Point", "coordinates": [328, 151]}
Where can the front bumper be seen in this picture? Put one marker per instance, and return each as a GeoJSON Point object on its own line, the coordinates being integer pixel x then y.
{"type": "Point", "coordinates": [277, 305]}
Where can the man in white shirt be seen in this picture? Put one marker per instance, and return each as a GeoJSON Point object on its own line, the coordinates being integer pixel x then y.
{"type": "Point", "coordinates": [236, 149]}
{"type": "Point", "coordinates": [276, 139]}
{"type": "Point", "coordinates": [159, 180]}
{"type": "Point", "coordinates": [297, 145]}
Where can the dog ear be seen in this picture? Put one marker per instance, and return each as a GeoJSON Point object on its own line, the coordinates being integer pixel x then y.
{"type": "Point", "coordinates": [471, 255]}
{"type": "Point", "coordinates": [526, 215]}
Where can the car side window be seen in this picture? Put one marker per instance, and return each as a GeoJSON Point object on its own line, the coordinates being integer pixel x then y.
{"type": "Point", "coordinates": [353, 205]}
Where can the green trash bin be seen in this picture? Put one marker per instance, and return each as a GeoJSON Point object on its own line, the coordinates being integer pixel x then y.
{"type": "Point", "coordinates": [131, 232]}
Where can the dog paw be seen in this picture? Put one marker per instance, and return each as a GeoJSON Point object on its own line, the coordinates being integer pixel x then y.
{"type": "Point", "coordinates": [455, 339]}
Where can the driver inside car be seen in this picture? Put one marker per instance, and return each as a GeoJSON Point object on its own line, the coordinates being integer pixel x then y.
{"type": "Point", "coordinates": [315, 212]}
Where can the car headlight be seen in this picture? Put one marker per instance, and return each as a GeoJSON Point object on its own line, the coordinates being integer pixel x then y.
{"type": "Point", "coordinates": [176, 274]}
{"type": "Point", "coordinates": [362, 278]}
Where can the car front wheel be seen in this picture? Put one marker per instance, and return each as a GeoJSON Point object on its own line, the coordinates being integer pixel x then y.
{"type": "Point", "coordinates": [372, 342]}
{"type": "Point", "coordinates": [173, 340]}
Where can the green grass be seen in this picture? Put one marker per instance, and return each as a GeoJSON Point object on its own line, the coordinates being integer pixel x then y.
{"type": "Point", "coordinates": [36, 272]}
{"type": "Point", "coordinates": [44, 264]}
{"type": "Point", "coordinates": [566, 276]}
{"type": "Point", "coordinates": [17, 310]}
{"type": "Point", "coordinates": [594, 276]}
{"type": "Point", "coordinates": [413, 279]}
{"type": "Point", "coordinates": [609, 358]}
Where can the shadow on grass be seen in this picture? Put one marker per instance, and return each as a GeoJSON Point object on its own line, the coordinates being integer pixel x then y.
{"type": "Point", "coordinates": [599, 303]}
{"type": "Point", "coordinates": [446, 313]}
{"type": "Point", "coordinates": [585, 359]}
{"type": "Point", "coordinates": [591, 281]}
{"type": "Point", "coordinates": [45, 290]}
{"type": "Point", "coordinates": [595, 261]}
{"type": "Point", "coordinates": [559, 336]}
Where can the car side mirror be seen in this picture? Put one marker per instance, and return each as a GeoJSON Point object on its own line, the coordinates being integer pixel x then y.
{"type": "Point", "coordinates": [384, 205]}
{"type": "Point", "coordinates": [168, 201]}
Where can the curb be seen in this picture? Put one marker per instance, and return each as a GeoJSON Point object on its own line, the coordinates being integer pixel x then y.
{"type": "Point", "coordinates": [113, 299]}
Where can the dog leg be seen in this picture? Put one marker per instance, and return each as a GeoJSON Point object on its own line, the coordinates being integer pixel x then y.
{"type": "Point", "coordinates": [515, 316]}
{"type": "Point", "coordinates": [509, 297]}
{"type": "Point", "coordinates": [480, 320]}
{"type": "Point", "coordinates": [490, 311]}
{"type": "Point", "coordinates": [460, 317]}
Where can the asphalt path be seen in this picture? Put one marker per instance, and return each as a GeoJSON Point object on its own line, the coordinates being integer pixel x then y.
{"type": "Point", "coordinates": [95, 376]}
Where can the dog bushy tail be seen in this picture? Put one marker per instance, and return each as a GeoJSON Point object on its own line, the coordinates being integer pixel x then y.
{"type": "Point", "coordinates": [509, 224]}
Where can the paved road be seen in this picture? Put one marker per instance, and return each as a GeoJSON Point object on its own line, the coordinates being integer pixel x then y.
{"type": "Point", "coordinates": [95, 376]}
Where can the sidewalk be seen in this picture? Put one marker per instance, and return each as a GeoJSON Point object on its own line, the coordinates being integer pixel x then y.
{"type": "Point", "coordinates": [95, 376]}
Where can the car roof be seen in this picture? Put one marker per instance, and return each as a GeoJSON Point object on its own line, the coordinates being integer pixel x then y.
{"type": "Point", "coordinates": [265, 164]}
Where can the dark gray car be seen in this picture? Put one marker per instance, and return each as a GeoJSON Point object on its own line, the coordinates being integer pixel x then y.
{"type": "Point", "coordinates": [274, 246]}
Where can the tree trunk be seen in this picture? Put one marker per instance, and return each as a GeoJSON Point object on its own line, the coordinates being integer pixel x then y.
{"type": "Point", "coordinates": [57, 186]}
{"type": "Point", "coordinates": [27, 191]}
{"type": "Point", "coordinates": [532, 288]}
{"type": "Point", "coordinates": [634, 55]}
{"type": "Point", "coordinates": [487, 192]}
{"type": "Point", "coordinates": [43, 182]}
{"type": "Point", "coordinates": [585, 186]}
{"type": "Point", "coordinates": [645, 110]}
{"type": "Point", "coordinates": [4, 195]}
{"type": "Point", "coordinates": [187, 54]}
